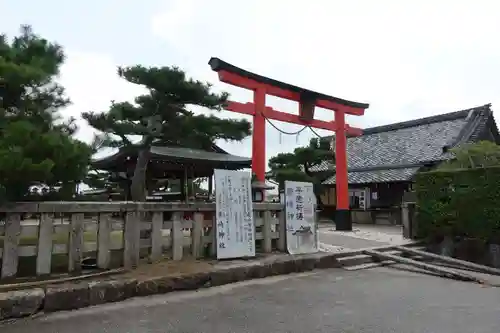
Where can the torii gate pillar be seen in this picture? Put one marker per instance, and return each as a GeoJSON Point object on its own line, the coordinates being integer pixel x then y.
{"type": "Point", "coordinates": [308, 100]}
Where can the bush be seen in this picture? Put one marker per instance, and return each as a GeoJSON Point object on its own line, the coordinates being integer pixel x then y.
{"type": "Point", "coordinates": [459, 203]}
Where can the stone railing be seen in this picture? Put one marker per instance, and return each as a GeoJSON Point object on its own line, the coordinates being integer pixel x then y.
{"type": "Point", "coordinates": [38, 239]}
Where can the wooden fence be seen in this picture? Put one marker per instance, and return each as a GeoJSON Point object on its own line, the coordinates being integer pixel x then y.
{"type": "Point", "coordinates": [41, 235]}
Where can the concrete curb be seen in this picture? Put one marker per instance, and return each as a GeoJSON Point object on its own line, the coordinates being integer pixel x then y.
{"type": "Point", "coordinates": [70, 296]}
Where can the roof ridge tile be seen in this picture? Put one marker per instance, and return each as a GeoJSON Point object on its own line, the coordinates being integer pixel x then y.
{"type": "Point", "coordinates": [426, 120]}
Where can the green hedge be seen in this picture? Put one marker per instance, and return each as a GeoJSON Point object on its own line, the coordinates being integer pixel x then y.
{"type": "Point", "coordinates": [464, 203]}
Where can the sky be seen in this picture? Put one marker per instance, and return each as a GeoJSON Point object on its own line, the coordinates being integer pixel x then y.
{"type": "Point", "coordinates": [407, 59]}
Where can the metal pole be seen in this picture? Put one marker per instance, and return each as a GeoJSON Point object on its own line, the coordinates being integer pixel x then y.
{"type": "Point", "coordinates": [186, 186]}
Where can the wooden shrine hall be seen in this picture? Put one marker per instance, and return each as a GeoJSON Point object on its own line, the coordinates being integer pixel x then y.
{"type": "Point", "coordinates": [171, 164]}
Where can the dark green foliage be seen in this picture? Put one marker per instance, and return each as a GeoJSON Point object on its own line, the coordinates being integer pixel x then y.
{"type": "Point", "coordinates": [473, 155]}
{"type": "Point", "coordinates": [36, 145]}
{"type": "Point", "coordinates": [296, 166]}
{"type": "Point", "coordinates": [162, 116]}
{"type": "Point", "coordinates": [463, 203]}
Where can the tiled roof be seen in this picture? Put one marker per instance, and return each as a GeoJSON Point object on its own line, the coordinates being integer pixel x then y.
{"type": "Point", "coordinates": [377, 176]}
{"type": "Point", "coordinates": [409, 145]}
{"type": "Point", "coordinates": [216, 157]}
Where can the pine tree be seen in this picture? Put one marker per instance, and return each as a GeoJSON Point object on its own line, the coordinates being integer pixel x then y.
{"type": "Point", "coordinates": [297, 166]}
{"type": "Point", "coordinates": [36, 144]}
{"type": "Point", "coordinates": [162, 117]}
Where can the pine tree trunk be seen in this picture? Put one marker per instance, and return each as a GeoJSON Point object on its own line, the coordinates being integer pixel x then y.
{"type": "Point", "coordinates": [138, 187]}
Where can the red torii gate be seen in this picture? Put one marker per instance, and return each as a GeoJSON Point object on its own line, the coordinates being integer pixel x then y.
{"type": "Point", "coordinates": [307, 100]}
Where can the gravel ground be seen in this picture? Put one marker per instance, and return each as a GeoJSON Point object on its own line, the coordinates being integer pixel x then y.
{"type": "Point", "coordinates": [360, 237]}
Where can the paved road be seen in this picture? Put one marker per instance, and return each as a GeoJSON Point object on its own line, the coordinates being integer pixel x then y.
{"type": "Point", "coordinates": [380, 300]}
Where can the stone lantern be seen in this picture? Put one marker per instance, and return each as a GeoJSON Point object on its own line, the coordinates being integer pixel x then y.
{"type": "Point", "coordinates": [259, 191]}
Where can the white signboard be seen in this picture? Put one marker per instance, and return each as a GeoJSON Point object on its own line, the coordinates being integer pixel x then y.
{"type": "Point", "coordinates": [301, 228]}
{"type": "Point", "coordinates": [235, 228]}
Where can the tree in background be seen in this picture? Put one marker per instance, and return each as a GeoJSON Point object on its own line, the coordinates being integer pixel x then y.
{"type": "Point", "coordinates": [296, 166]}
{"type": "Point", "coordinates": [473, 155]}
{"type": "Point", "coordinates": [36, 144]}
{"type": "Point", "coordinates": [161, 117]}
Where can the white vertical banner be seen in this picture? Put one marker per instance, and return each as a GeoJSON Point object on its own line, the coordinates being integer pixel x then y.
{"type": "Point", "coordinates": [301, 226]}
{"type": "Point", "coordinates": [235, 228]}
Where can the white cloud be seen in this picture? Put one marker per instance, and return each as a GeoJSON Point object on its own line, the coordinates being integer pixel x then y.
{"type": "Point", "coordinates": [406, 58]}
{"type": "Point", "coordinates": [92, 82]}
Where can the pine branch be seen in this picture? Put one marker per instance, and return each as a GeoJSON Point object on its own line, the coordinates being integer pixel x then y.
{"type": "Point", "coordinates": [161, 116]}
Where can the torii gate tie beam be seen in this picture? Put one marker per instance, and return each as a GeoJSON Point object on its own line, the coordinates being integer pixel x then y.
{"type": "Point", "coordinates": [308, 100]}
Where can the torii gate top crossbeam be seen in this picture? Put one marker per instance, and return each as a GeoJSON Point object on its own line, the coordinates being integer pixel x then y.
{"type": "Point", "coordinates": [230, 74]}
